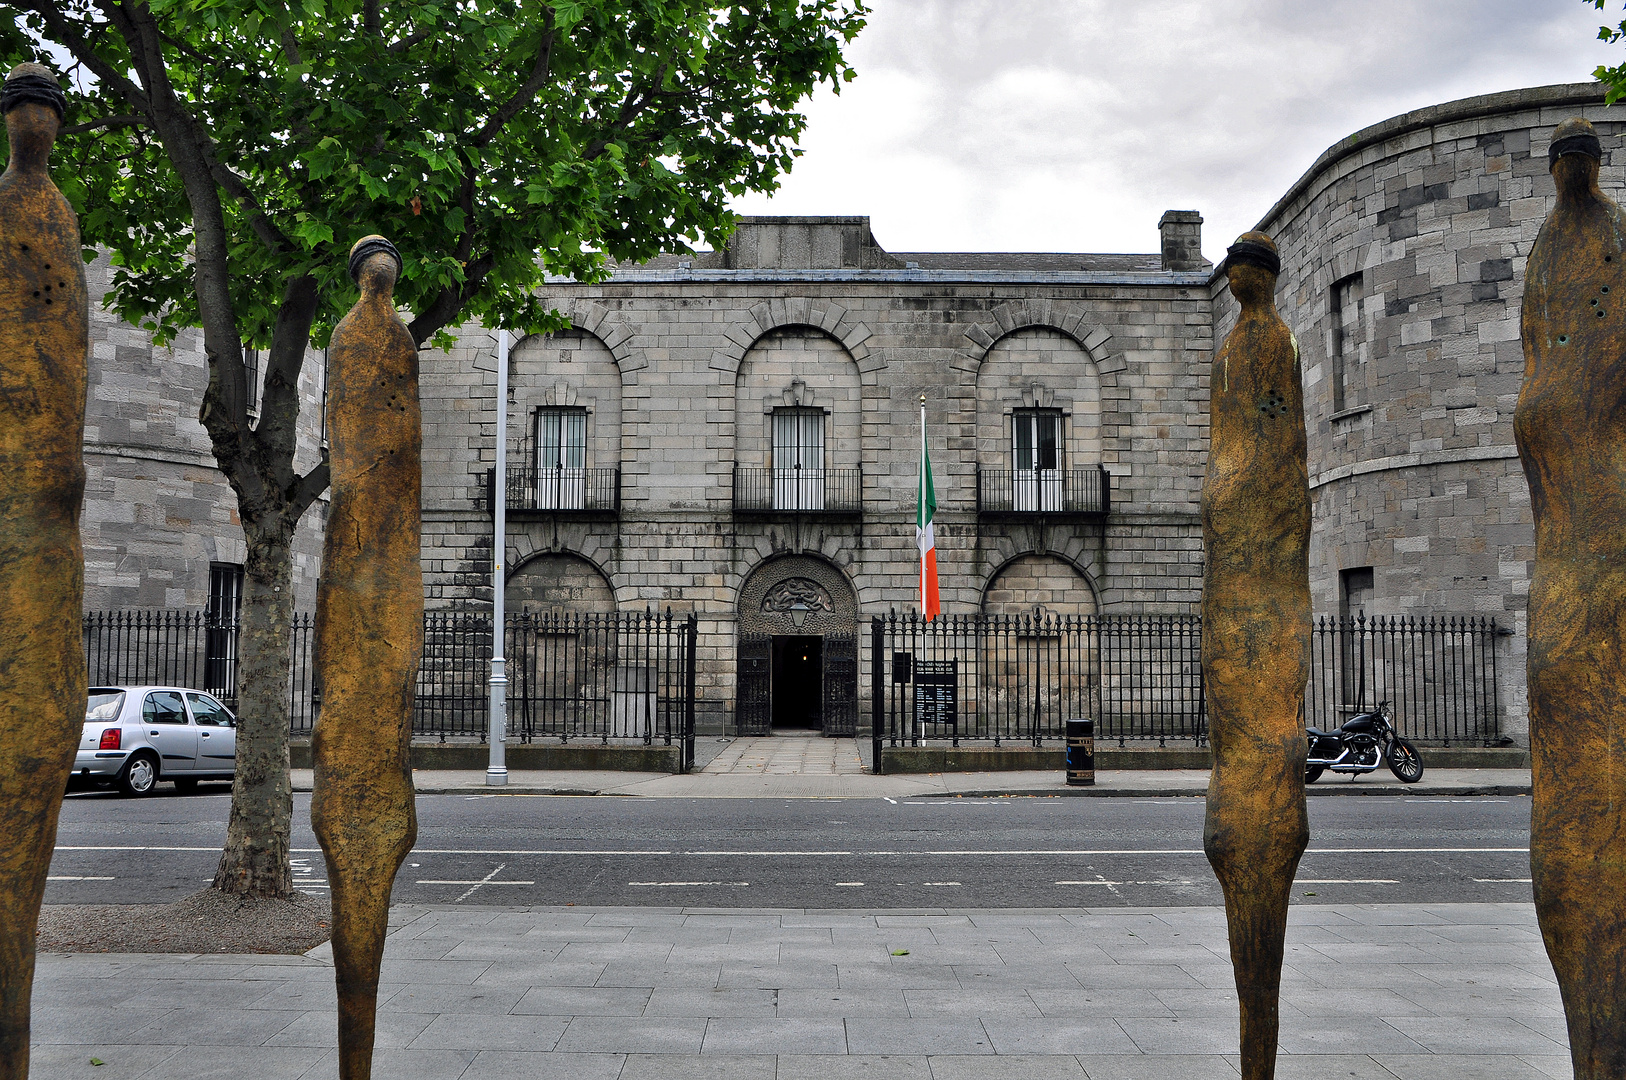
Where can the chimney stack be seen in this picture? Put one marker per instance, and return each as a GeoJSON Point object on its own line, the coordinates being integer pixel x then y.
{"type": "Point", "coordinates": [1182, 232]}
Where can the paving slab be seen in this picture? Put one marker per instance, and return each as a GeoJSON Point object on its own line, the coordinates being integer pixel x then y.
{"type": "Point", "coordinates": [1433, 1008]}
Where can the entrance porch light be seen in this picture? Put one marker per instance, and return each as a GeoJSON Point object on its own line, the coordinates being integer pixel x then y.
{"type": "Point", "coordinates": [798, 613]}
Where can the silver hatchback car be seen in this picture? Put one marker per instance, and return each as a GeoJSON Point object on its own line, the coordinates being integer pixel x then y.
{"type": "Point", "coordinates": [136, 736]}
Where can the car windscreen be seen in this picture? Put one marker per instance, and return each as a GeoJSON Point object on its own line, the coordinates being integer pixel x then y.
{"type": "Point", "coordinates": [104, 705]}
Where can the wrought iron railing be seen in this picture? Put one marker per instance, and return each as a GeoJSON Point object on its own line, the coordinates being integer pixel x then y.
{"type": "Point", "coordinates": [1438, 674]}
{"type": "Point", "coordinates": [1044, 491]}
{"type": "Point", "coordinates": [613, 676]}
{"type": "Point", "coordinates": [803, 491]}
{"type": "Point", "coordinates": [1018, 679]}
{"type": "Point", "coordinates": [558, 490]}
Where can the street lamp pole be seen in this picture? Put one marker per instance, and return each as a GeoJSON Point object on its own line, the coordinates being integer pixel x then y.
{"type": "Point", "coordinates": [497, 770]}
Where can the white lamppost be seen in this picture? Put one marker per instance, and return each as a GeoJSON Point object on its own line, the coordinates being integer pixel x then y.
{"type": "Point", "coordinates": [497, 770]}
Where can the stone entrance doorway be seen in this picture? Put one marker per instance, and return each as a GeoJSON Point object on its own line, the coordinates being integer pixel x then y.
{"type": "Point", "coordinates": [798, 650]}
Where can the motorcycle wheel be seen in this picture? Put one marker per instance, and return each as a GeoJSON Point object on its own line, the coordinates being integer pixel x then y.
{"type": "Point", "coordinates": [1404, 762]}
{"type": "Point", "coordinates": [1312, 773]}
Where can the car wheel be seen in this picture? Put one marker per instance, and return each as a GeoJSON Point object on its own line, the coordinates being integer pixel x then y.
{"type": "Point", "coordinates": [186, 787]}
{"type": "Point", "coordinates": [139, 775]}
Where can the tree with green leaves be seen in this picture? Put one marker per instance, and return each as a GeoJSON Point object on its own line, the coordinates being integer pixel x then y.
{"type": "Point", "coordinates": [1613, 77]}
{"type": "Point", "coordinates": [227, 152]}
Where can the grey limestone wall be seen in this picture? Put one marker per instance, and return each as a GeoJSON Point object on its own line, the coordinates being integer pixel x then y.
{"type": "Point", "coordinates": [157, 511]}
{"type": "Point", "coordinates": [1403, 253]}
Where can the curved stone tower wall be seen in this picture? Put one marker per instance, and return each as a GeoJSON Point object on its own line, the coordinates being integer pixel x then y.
{"type": "Point", "coordinates": [1403, 252]}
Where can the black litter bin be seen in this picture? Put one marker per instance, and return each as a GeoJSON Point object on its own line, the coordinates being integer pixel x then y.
{"type": "Point", "coordinates": [1080, 753]}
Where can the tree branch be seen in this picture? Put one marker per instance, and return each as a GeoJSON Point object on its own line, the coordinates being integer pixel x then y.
{"type": "Point", "coordinates": [278, 430]}
{"type": "Point", "coordinates": [104, 122]}
{"type": "Point", "coordinates": [449, 304]}
{"type": "Point", "coordinates": [370, 20]}
{"type": "Point", "coordinates": [410, 40]}
{"type": "Point", "coordinates": [630, 110]}
{"type": "Point", "coordinates": [60, 30]}
{"type": "Point", "coordinates": [308, 488]}
{"type": "Point", "coordinates": [538, 77]}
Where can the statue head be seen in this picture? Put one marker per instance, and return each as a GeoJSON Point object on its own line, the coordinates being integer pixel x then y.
{"type": "Point", "coordinates": [1251, 266]}
{"type": "Point", "coordinates": [374, 264]}
{"type": "Point", "coordinates": [34, 106]}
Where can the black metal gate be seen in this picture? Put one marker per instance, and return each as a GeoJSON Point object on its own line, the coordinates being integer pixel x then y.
{"type": "Point", "coordinates": [840, 684]}
{"type": "Point", "coordinates": [753, 710]}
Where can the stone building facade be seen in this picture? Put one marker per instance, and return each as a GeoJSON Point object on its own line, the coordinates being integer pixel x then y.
{"type": "Point", "coordinates": [717, 426]}
{"type": "Point", "coordinates": [737, 433]}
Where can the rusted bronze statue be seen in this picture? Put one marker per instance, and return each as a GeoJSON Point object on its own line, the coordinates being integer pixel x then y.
{"type": "Point", "coordinates": [44, 342]}
{"type": "Point", "coordinates": [369, 635]}
{"type": "Point", "coordinates": [1571, 430]}
{"type": "Point", "coordinates": [1256, 636]}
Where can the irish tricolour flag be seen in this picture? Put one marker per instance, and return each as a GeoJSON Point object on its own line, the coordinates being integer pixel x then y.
{"type": "Point", "coordinates": [927, 506]}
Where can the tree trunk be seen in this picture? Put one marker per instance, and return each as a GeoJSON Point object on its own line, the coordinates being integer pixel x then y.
{"type": "Point", "coordinates": [255, 860]}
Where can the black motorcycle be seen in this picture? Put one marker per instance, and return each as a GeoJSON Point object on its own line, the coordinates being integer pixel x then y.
{"type": "Point", "coordinates": [1366, 741]}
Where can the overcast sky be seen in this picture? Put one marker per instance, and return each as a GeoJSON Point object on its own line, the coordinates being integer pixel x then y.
{"type": "Point", "coordinates": [1071, 125]}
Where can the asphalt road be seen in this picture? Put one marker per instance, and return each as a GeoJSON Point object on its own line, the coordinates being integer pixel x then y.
{"type": "Point", "coordinates": [854, 853]}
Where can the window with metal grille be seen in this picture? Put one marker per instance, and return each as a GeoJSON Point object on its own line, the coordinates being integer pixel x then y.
{"type": "Point", "coordinates": [560, 447]}
{"type": "Point", "coordinates": [798, 459]}
{"type": "Point", "coordinates": [225, 609]}
{"type": "Point", "coordinates": [1036, 452]}
{"type": "Point", "coordinates": [251, 378]}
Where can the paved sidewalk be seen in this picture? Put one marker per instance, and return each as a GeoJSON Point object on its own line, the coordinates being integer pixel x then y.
{"type": "Point", "coordinates": [777, 784]}
{"type": "Point", "coordinates": [1397, 992]}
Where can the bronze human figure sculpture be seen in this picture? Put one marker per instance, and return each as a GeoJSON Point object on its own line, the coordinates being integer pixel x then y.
{"type": "Point", "coordinates": [369, 635]}
{"type": "Point", "coordinates": [1571, 430]}
{"type": "Point", "coordinates": [44, 342]}
{"type": "Point", "coordinates": [1256, 636]}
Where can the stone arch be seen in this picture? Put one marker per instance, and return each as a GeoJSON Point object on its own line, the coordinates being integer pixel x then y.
{"type": "Point", "coordinates": [1042, 580]}
{"type": "Point", "coordinates": [1066, 318]}
{"type": "Point", "coordinates": [762, 612]}
{"type": "Point", "coordinates": [798, 648]}
{"type": "Point", "coordinates": [803, 368]}
{"type": "Point", "coordinates": [570, 370]}
{"type": "Point", "coordinates": [598, 320]}
{"type": "Point", "coordinates": [823, 315]}
{"type": "Point", "coordinates": [1038, 367]}
{"type": "Point", "coordinates": [559, 581]}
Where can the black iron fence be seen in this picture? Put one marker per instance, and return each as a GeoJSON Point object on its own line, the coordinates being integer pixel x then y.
{"type": "Point", "coordinates": [1438, 673]}
{"type": "Point", "coordinates": [1082, 492]}
{"type": "Point", "coordinates": [558, 490]}
{"type": "Point", "coordinates": [1017, 679]}
{"type": "Point", "coordinates": [617, 676]}
{"type": "Point", "coordinates": [799, 490]}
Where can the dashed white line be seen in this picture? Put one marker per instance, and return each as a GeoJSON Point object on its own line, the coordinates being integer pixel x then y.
{"type": "Point", "coordinates": [693, 884]}
{"type": "Point", "coordinates": [1497, 880]}
{"type": "Point", "coordinates": [66, 877]}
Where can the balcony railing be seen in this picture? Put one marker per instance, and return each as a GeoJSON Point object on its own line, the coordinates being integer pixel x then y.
{"type": "Point", "coordinates": [568, 492]}
{"type": "Point", "coordinates": [799, 491]}
{"type": "Point", "coordinates": [1062, 493]}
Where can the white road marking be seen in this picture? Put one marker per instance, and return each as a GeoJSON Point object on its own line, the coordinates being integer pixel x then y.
{"type": "Point", "coordinates": [64, 877]}
{"type": "Point", "coordinates": [939, 883]}
{"type": "Point", "coordinates": [1111, 885]}
{"type": "Point", "coordinates": [894, 802]}
{"type": "Point", "coordinates": [1345, 881]}
{"type": "Point", "coordinates": [475, 886]}
{"type": "Point", "coordinates": [666, 884]}
{"type": "Point", "coordinates": [1510, 880]}
{"type": "Point", "coordinates": [847, 854]}
{"type": "Point", "coordinates": [849, 884]}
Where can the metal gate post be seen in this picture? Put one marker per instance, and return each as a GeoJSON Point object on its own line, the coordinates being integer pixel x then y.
{"type": "Point", "coordinates": [877, 694]}
{"type": "Point", "coordinates": [691, 637]}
